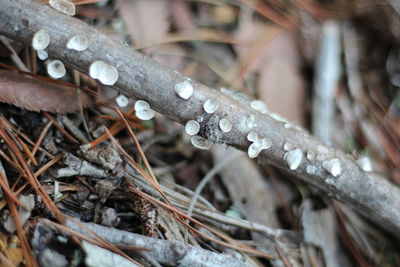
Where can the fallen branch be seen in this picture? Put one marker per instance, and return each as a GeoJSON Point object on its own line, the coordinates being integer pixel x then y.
{"type": "Point", "coordinates": [172, 253]}
{"type": "Point", "coordinates": [142, 78]}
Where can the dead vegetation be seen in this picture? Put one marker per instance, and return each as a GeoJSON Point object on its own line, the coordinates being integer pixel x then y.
{"type": "Point", "coordinates": [86, 182]}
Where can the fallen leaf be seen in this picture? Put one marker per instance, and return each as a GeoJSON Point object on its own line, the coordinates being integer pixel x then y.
{"type": "Point", "coordinates": [39, 95]}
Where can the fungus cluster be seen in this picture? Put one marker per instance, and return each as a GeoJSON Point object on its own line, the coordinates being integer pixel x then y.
{"type": "Point", "coordinates": [258, 144]}
{"type": "Point", "coordinates": [105, 73]}
{"type": "Point", "coordinates": [143, 110]}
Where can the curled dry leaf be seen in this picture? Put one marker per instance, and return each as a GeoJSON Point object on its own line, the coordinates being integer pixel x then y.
{"type": "Point", "coordinates": [39, 95]}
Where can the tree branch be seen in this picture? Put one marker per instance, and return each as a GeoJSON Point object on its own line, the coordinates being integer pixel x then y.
{"type": "Point", "coordinates": [142, 78]}
{"type": "Point", "coordinates": [172, 253]}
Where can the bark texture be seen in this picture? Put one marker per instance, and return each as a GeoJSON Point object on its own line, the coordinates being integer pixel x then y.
{"type": "Point", "coordinates": [142, 78]}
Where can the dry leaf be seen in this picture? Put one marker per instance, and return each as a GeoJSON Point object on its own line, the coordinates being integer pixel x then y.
{"type": "Point", "coordinates": [39, 95]}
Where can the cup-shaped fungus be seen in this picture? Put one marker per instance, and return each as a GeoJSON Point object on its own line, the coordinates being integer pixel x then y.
{"type": "Point", "coordinates": [211, 105]}
{"type": "Point", "coordinates": [40, 40]}
{"type": "Point", "coordinates": [106, 74]}
{"type": "Point", "coordinates": [200, 143]}
{"type": "Point", "coordinates": [259, 106]}
{"type": "Point", "coordinates": [143, 110]}
{"type": "Point", "coordinates": [332, 166]}
{"type": "Point", "coordinates": [78, 42]}
{"type": "Point", "coordinates": [56, 69]}
{"type": "Point", "coordinates": [122, 101]}
{"type": "Point", "coordinates": [192, 127]}
{"type": "Point", "coordinates": [63, 6]}
{"type": "Point", "coordinates": [225, 125]}
{"type": "Point", "coordinates": [293, 158]}
{"type": "Point", "coordinates": [184, 89]}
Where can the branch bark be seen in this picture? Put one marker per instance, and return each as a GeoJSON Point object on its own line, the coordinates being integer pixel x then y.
{"type": "Point", "coordinates": [142, 78]}
{"type": "Point", "coordinates": [171, 253]}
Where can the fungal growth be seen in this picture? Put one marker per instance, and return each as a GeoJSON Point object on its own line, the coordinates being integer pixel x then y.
{"type": "Point", "coordinates": [259, 106]}
{"type": "Point", "coordinates": [211, 105]}
{"type": "Point", "coordinates": [106, 74]}
{"type": "Point", "coordinates": [192, 127]}
{"type": "Point", "coordinates": [79, 42]}
{"type": "Point", "coordinates": [225, 125]}
{"type": "Point", "coordinates": [143, 110]}
{"type": "Point", "coordinates": [122, 101]}
{"type": "Point", "coordinates": [252, 136]}
{"type": "Point", "coordinates": [365, 164]}
{"type": "Point", "coordinates": [200, 143]}
{"type": "Point", "coordinates": [63, 6]}
{"type": "Point", "coordinates": [311, 169]}
{"type": "Point", "coordinates": [56, 69]}
{"type": "Point", "coordinates": [310, 155]}
{"type": "Point", "coordinates": [40, 40]}
{"type": "Point", "coordinates": [288, 146]}
{"type": "Point", "coordinates": [42, 54]}
{"type": "Point", "coordinates": [257, 146]}
{"type": "Point", "coordinates": [332, 166]}
{"type": "Point", "coordinates": [184, 89]}
{"type": "Point", "coordinates": [293, 158]}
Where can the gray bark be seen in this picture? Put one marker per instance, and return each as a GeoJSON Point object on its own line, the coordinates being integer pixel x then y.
{"type": "Point", "coordinates": [142, 78]}
{"type": "Point", "coordinates": [172, 253]}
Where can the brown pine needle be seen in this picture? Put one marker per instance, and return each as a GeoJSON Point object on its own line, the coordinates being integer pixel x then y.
{"type": "Point", "coordinates": [30, 176]}
{"type": "Point", "coordinates": [138, 146]}
{"type": "Point", "coordinates": [26, 249]}
{"type": "Point", "coordinates": [6, 189]}
{"type": "Point", "coordinates": [138, 168]}
{"type": "Point", "coordinates": [236, 245]}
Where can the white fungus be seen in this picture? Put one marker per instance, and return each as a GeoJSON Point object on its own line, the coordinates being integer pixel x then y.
{"type": "Point", "coordinates": [288, 146]}
{"type": "Point", "coordinates": [184, 89]}
{"type": "Point", "coordinates": [122, 101]}
{"type": "Point", "coordinates": [143, 110]}
{"type": "Point", "coordinates": [145, 114]}
{"type": "Point", "coordinates": [42, 54]}
{"type": "Point", "coordinates": [78, 42]}
{"type": "Point", "coordinates": [252, 136]}
{"type": "Point", "coordinates": [40, 40]}
{"type": "Point", "coordinates": [106, 74]}
{"type": "Point", "coordinates": [192, 127]}
{"type": "Point", "coordinates": [310, 155]}
{"type": "Point", "coordinates": [200, 143]}
{"type": "Point", "coordinates": [253, 151]}
{"type": "Point", "coordinates": [293, 158]}
{"type": "Point", "coordinates": [311, 169]}
{"type": "Point", "coordinates": [56, 69]}
{"type": "Point", "coordinates": [211, 105]}
{"type": "Point", "coordinates": [365, 164]}
{"type": "Point", "coordinates": [332, 166]}
{"type": "Point", "coordinates": [258, 145]}
{"type": "Point", "coordinates": [251, 121]}
{"type": "Point", "coordinates": [63, 6]}
{"type": "Point", "coordinates": [141, 105]}
{"type": "Point", "coordinates": [259, 106]}
{"type": "Point", "coordinates": [225, 125]}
